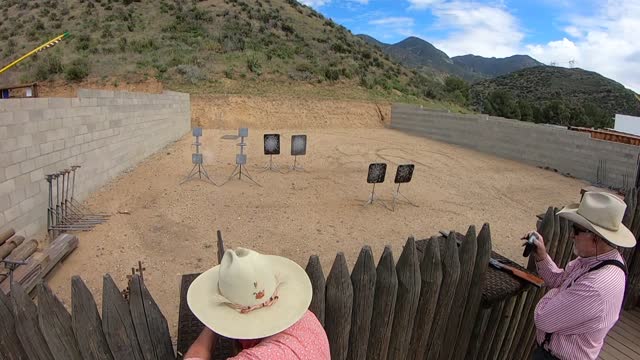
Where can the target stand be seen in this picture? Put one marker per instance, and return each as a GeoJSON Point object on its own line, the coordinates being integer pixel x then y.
{"type": "Point", "coordinates": [241, 160]}
{"type": "Point", "coordinates": [197, 160]}
{"type": "Point", "coordinates": [298, 148]}
{"type": "Point", "coordinates": [404, 173]}
{"type": "Point", "coordinates": [271, 147]}
{"type": "Point", "coordinates": [376, 175]}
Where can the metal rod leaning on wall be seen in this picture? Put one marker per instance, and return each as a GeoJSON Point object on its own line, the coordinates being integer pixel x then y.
{"type": "Point", "coordinates": [77, 204]}
{"type": "Point", "coordinates": [79, 213]}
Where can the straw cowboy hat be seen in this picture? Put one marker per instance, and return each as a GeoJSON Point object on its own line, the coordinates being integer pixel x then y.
{"type": "Point", "coordinates": [250, 295]}
{"type": "Point", "coordinates": [602, 214]}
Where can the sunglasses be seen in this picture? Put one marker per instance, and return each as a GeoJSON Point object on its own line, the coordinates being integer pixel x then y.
{"type": "Point", "coordinates": [577, 229]}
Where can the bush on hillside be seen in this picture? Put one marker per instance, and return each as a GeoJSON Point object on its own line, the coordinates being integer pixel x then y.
{"type": "Point", "coordinates": [50, 66]}
{"type": "Point", "coordinates": [78, 70]}
{"type": "Point", "coordinates": [190, 73]}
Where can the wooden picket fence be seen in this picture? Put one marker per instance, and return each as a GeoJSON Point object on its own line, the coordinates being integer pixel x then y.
{"type": "Point", "coordinates": [128, 330]}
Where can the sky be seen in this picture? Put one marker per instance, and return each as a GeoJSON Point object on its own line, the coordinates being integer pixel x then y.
{"type": "Point", "coordinates": [597, 35]}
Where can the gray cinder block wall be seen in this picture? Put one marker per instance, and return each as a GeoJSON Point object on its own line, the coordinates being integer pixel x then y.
{"type": "Point", "coordinates": [105, 132]}
{"type": "Point", "coordinates": [569, 152]}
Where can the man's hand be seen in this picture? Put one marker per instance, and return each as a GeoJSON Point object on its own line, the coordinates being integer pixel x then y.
{"type": "Point", "coordinates": [540, 252]}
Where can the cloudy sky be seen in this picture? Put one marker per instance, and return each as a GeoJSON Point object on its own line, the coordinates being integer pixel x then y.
{"type": "Point", "coordinates": [598, 35]}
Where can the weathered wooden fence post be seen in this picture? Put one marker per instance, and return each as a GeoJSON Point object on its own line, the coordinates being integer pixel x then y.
{"type": "Point", "coordinates": [86, 323]}
{"type": "Point", "coordinates": [151, 326]}
{"type": "Point", "coordinates": [501, 332]}
{"type": "Point", "coordinates": [477, 334]}
{"type": "Point", "coordinates": [383, 307]}
{"type": "Point", "coordinates": [55, 324]}
{"type": "Point", "coordinates": [470, 316]}
{"type": "Point", "coordinates": [408, 271]}
{"type": "Point", "coordinates": [27, 328]}
{"type": "Point", "coordinates": [467, 259]}
{"type": "Point", "coordinates": [363, 278]}
{"type": "Point", "coordinates": [10, 346]}
{"type": "Point", "coordinates": [318, 283]}
{"type": "Point", "coordinates": [516, 317]}
{"type": "Point", "coordinates": [490, 332]}
{"type": "Point", "coordinates": [117, 324]}
{"type": "Point", "coordinates": [431, 278]}
{"type": "Point", "coordinates": [339, 303]}
{"type": "Point", "coordinates": [450, 276]}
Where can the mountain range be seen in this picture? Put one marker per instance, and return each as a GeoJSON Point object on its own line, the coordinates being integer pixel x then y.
{"type": "Point", "coordinates": [420, 54]}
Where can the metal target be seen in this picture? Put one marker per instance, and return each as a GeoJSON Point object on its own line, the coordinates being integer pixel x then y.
{"type": "Point", "coordinates": [377, 173]}
{"type": "Point", "coordinates": [241, 159]}
{"type": "Point", "coordinates": [404, 173]}
{"type": "Point", "coordinates": [272, 144]}
{"type": "Point", "coordinates": [243, 132]}
{"type": "Point", "coordinates": [196, 159]}
{"type": "Point", "coordinates": [298, 145]}
{"type": "Point", "coordinates": [197, 131]}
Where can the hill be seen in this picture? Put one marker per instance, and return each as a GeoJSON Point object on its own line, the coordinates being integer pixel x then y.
{"type": "Point", "coordinates": [492, 67]}
{"type": "Point", "coordinates": [555, 94]}
{"type": "Point", "coordinates": [201, 46]}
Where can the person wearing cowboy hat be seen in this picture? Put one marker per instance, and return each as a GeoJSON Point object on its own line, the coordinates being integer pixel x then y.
{"type": "Point", "coordinates": [261, 301]}
{"type": "Point", "coordinates": [585, 298]}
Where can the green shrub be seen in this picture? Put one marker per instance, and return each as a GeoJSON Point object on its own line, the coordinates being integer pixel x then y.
{"type": "Point", "coordinates": [332, 74]}
{"type": "Point", "coordinates": [191, 73]}
{"type": "Point", "coordinates": [78, 70]}
{"type": "Point", "coordinates": [253, 64]}
{"type": "Point", "coordinates": [49, 67]}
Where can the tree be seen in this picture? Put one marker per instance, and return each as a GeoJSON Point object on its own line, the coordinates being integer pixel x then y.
{"type": "Point", "coordinates": [501, 103]}
{"type": "Point", "coordinates": [457, 89]}
{"type": "Point", "coordinates": [526, 111]}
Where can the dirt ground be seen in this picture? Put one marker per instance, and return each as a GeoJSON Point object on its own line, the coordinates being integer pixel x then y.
{"type": "Point", "coordinates": [171, 227]}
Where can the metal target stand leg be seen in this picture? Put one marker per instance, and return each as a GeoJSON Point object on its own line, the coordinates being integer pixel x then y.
{"type": "Point", "coordinates": [373, 198]}
{"type": "Point", "coordinates": [396, 195]}
{"type": "Point", "coordinates": [201, 171]}
{"type": "Point", "coordinates": [295, 166]}
{"type": "Point", "coordinates": [270, 166]}
{"type": "Point", "coordinates": [238, 171]}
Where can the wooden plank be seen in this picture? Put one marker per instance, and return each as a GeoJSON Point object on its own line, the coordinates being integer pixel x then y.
{"type": "Point", "coordinates": [10, 245]}
{"type": "Point", "coordinates": [26, 321]}
{"type": "Point", "coordinates": [450, 276]}
{"type": "Point", "coordinates": [363, 279]}
{"type": "Point", "coordinates": [150, 324]}
{"type": "Point", "coordinates": [339, 302]}
{"type": "Point", "coordinates": [630, 323]}
{"type": "Point", "coordinates": [467, 258]}
{"type": "Point", "coordinates": [6, 235]}
{"type": "Point", "coordinates": [20, 253]}
{"type": "Point", "coordinates": [479, 328]}
{"type": "Point", "coordinates": [86, 323]}
{"type": "Point", "coordinates": [615, 351]}
{"type": "Point", "coordinates": [564, 238]}
{"type": "Point", "coordinates": [631, 344]}
{"type": "Point", "coordinates": [39, 264]}
{"type": "Point", "coordinates": [318, 283]}
{"type": "Point", "coordinates": [117, 324]}
{"type": "Point", "coordinates": [626, 330]}
{"type": "Point", "coordinates": [384, 303]}
{"type": "Point", "coordinates": [490, 331]}
{"type": "Point", "coordinates": [605, 355]}
{"type": "Point", "coordinates": [505, 319]}
{"type": "Point", "coordinates": [633, 314]}
{"type": "Point", "coordinates": [10, 346]}
{"type": "Point", "coordinates": [469, 318]}
{"type": "Point", "coordinates": [55, 324]}
{"type": "Point", "coordinates": [513, 325]}
{"type": "Point", "coordinates": [552, 247]}
{"type": "Point", "coordinates": [408, 272]}
{"type": "Point", "coordinates": [431, 278]}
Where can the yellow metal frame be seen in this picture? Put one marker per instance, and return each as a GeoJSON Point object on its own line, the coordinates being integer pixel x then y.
{"type": "Point", "coordinates": [44, 46]}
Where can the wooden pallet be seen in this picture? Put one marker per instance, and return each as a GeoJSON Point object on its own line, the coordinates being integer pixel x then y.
{"type": "Point", "coordinates": [623, 341]}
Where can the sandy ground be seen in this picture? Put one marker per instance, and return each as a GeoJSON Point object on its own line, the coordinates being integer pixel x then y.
{"type": "Point", "coordinates": [171, 227]}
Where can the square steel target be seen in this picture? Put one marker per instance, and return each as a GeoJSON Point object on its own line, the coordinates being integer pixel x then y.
{"type": "Point", "coordinates": [196, 159]}
{"type": "Point", "coordinates": [377, 172]}
{"type": "Point", "coordinates": [272, 144]}
{"type": "Point", "coordinates": [298, 145]}
{"type": "Point", "coordinates": [404, 173]}
{"type": "Point", "coordinates": [241, 159]}
{"type": "Point", "coordinates": [197, 131]}
{"type": "Point", "coordinates": [243, 132]}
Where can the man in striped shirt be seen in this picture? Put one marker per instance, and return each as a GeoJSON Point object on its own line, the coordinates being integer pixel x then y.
{"type": "Point", "coordinates": [584, 300]}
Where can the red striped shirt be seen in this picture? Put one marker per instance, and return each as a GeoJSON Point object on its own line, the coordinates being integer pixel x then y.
{"type": "Point", "coordinates": [579, 313]}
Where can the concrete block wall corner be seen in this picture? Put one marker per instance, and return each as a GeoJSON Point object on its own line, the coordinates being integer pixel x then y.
{"type": "Point", "coordinates": [569, 152]}
{"type": "Point", "coordinates": [105, 132]}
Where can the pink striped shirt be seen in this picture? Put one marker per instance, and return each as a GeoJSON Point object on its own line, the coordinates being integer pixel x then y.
{"type": "Point", "coordinates": [579, 313]}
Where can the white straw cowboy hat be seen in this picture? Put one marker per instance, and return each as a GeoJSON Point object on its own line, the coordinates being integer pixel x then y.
{"type": "Point", "coordinates": [602, 214]}
{"type": "Point", "coordinates": [250, 295]}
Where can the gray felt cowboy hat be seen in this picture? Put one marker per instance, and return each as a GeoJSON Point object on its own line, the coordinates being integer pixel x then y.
{"type": "Point", "coordinates": [250, 295]}
{"type": "Point", "coordinates": [602, 214]}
